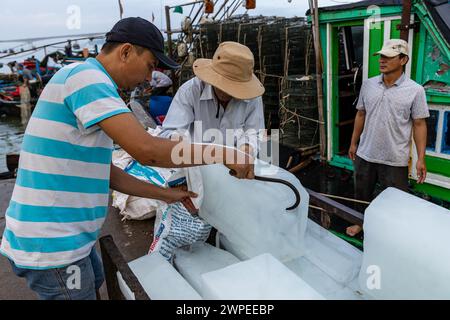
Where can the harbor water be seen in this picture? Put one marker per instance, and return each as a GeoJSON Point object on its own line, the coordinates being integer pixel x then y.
{"type": "Point", "coordinates": [11, 134]}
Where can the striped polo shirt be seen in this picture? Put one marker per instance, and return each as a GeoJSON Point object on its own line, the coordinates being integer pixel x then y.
{"type": "Point", "coordinates": [60, 198]}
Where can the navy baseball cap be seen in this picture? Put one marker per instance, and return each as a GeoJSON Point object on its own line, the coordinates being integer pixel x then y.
{"type": "Point", "coordinates": [141, 32]}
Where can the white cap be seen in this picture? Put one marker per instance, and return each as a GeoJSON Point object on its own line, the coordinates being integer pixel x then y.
{"type": "Point", "coordinates": [393, 47]}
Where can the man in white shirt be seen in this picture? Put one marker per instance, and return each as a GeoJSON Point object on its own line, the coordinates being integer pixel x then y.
{"type": "Point", "coordinates": [221, 105]}
{"type": "Point", "coordinates": [224, 95]}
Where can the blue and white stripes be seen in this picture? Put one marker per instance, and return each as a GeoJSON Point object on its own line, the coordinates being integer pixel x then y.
{"type": "Point", "coordinates": [60, 199]}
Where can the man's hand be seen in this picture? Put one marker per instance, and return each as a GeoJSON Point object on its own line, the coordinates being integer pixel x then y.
{"type": "Point", "coordinates": [181, 194]}
{"type": "Point", "coordinates": [358, 127]}
{"type": "Point", "coordinates": [421, 171]}
{"type": "Point", "coordinates": [242, 166]}
{"type": "Point", "coordinates": [242, 171]}
{"type": "Point", "coordinates": [352, 152]}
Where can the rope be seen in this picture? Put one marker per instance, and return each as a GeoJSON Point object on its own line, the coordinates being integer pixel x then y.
{"type": "Point", "coordinates": [295, 114]}
{"type": "Point", "coordinates": [318, 208]}
{"type": "Point", "coordinates": [344, 198]}
{"type": "Point", "coordinates": [262, 73]}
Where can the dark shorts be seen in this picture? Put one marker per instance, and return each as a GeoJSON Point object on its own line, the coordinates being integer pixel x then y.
{"type": "Point", "coordinates": [369, 174]}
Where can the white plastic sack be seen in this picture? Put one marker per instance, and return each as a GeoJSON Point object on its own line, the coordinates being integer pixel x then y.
{"type": "Point", "coordinates": [175, 227]}
{"type": "Point", "coordinates": [137, 208]}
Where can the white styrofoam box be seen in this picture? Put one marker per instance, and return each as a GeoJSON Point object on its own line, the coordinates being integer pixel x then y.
{"type": "Point", "coordinates": [252, 214]}
{"type": "Point", "coordinates": [260, 278]}
{"type": "Point", "coordinates": [201, 258]}
{"type": "Point", "coordinates": [406, 248]}
{"type": "Point", "coordinates": [159, 279]}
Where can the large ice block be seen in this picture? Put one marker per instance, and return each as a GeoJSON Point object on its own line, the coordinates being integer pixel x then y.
{"type": "Point", "coordinates": [406, 248]}
{"type": "Point", "coordinates": [260, 278]}
{"type": "Point", "coordinates": [201, 258]}
{"type": "Point", "coordinates": [334, 256]}
{"type": "Point", "coordinates": [159, 279]}
{"type": "Point", "coordinates": [252, 214]}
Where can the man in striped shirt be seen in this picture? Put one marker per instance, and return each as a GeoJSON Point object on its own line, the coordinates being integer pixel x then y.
{"type": "Point", "coordinates": [60, 199]}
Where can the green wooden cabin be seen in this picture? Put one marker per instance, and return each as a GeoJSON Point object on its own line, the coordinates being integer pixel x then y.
{"type": "Point", "coordinates": [349, 35]}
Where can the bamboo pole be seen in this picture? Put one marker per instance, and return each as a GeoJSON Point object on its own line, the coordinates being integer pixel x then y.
{"type": "Point", "coordinates": [319, 69]}
{"type": "Point", "coordinates": [169, 44]}
{"type": "Point", "coordinates": [168, 31]}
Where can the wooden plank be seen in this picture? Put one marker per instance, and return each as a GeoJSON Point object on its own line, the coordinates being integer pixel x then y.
{"type": "Point", "coordinates": [336, 208]}
{"type": "Point", "coordinates": [114, 261]}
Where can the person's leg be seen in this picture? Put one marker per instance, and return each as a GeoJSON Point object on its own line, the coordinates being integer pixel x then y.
{"type": "Point", "coordinates": [365, 182]}
{"type": "Point", "coordinates": [73, 282]}
{"type": "Point", "coordinates": [23, 114]}
{"type": "Point", "coordinates": [396, 177]}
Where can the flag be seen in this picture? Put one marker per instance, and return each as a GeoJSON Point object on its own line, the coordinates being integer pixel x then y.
{"type": "Point", "coordinates": [178, 9]}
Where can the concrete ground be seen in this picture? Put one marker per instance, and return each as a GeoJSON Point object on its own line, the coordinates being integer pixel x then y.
{"type": "Point", "coordinates": [133, 238]}
{"type": "Point", "coordinates": [13, 287]}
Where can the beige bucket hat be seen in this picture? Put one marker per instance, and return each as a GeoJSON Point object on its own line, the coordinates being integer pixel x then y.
{"type": "Point", "coordinates": [393, 47]}
{"type": "Point", "coordinates": [230, 70]}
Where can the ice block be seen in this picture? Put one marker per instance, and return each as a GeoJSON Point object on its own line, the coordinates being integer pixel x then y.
{"type": "Point", "coordinates": [406, 248]}
{"type": "Point", "coordinates": [260, 278]}
{"type": "Point", "coordinates": [201, 258]}
{"type": "Point", "coordinates": [159, 279]}
{"type": "Point", "coordinates": [252, 214]}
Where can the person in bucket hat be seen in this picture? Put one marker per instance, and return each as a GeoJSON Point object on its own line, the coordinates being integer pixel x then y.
{"type": "Point", "coordinates": [391, 108]}
{"type": "Point", "coordinates": [224, 97]}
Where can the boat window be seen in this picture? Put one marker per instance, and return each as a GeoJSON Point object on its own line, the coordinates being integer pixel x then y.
{"type": "Point", "coordinates": [432, 123]}
{"type": "Point", "coordinates": [446, 134]}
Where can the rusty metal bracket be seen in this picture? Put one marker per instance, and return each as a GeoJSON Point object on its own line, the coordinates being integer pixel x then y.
{"type": "Point", "coordinates": [335, 208]}
{"type": "Point", "coordinates": [415, 26]}
{"type": "Point", "coordinates": [114, 261]}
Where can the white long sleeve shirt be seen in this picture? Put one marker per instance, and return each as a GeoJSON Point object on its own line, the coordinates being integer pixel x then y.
{"type": "Point", "coordinates": [195, 101]}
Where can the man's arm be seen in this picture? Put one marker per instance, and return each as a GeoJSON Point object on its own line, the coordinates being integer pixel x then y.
{"type": "Point", "coordinates": [126, 131]}
{"type": "Point", "coordinates": [420, 138]}
{"type": "Point", "coordinates": [125, 183]}
{"type": "Point", "coordinates": [419, 111]}
{"type": "Point", "coordinates": [357, 130]}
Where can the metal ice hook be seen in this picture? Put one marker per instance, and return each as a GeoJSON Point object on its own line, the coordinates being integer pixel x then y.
{"type": "Point", "coordinates": [288, 184]}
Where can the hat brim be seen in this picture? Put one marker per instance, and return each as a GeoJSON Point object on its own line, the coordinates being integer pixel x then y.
{"type": "Point", "coordinates": [387, 53]}
{"type": "Point", "coordinates": [164, 61]}
{"type": "Point", "coordinates": [241, 90]}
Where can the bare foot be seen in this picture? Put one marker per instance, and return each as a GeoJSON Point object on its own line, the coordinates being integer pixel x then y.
{"type": "Point", "coordinates": [354, 230]}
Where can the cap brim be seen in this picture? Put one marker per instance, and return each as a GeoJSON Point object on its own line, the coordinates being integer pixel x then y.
{"type": "Point", "coordinates": [237, 89]}
{"type": "Point", "coordinates": [164, 61]}
{"type": "Point", "coordinates": [387, 53]}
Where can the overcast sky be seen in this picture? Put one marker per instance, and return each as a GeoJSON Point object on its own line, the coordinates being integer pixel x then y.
{"type": "Point", "coordinates": [28, 19]}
